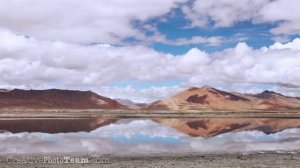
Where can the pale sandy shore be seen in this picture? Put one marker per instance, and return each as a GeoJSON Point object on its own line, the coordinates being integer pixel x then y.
{"type": "Point", "coordinates": [266, 159]}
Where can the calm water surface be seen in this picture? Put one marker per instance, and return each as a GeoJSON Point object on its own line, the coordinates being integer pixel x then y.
{"type": "Point", "coordinates": [106, 136]}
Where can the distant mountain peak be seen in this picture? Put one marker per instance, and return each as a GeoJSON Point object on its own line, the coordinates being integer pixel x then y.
{"type": "Point", "coordinates": [192, 88]}
{"type": "Point", "coordinates": [207, 87]}
{"type": "Point", "coordinates": [130, 104]}
{"type": "Point", "coordinates": [4, 90]}
{"type": "Point", "coordinates": [267, 94]}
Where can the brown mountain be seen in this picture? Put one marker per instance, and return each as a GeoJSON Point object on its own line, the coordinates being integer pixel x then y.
{"type": "Point", "coordinates": [56, 99]}
{"type": "Point", "coordinates": [208, 98]}
{"type": "Point", "coordinates": [216, 126]}
{"type": "Point", "coordinates": [4, 90]}
{"type": "Point", "coordinates": [273, 100]}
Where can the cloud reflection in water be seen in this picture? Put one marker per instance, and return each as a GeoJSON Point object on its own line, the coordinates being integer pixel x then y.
{"type": "Point", "coordinates": [144, 136]}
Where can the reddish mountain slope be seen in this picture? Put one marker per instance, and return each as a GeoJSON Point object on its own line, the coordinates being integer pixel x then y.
{"type": "Point", "coordinates": [276, 101]}
{"type": "Point", "coordinates": [57, 99]}
{"type": "Point", "coordinates": [3, 90]}
{"type": "Point", "coordinates": [207, 98]}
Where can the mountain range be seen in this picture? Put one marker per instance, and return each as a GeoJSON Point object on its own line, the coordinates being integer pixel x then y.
{"type": "Point", "coordinates": [208, 98]}
{"type": "Point", "coordinates": [194, 98]}
{"type": "Point", "coordinates": [56, 99]}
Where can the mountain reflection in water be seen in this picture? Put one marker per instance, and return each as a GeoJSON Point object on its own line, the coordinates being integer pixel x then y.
{"type": "Point", "coordinates": [148, 135]}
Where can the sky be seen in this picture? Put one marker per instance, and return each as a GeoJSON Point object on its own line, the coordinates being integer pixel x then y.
{"type": "Point", "coordinates": [144, 50]}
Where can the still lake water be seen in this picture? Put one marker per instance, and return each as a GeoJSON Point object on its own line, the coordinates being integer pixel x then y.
{"type": "Point", "coordinates": [122, 136]}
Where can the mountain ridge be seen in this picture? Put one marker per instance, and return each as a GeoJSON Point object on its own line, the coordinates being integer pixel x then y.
{"type": "Point", "coordinates": [209, 98]}
{"type": "Point", "coordinates": [56, 98]}
{"type": "Point", "coordinates": [192, 98]}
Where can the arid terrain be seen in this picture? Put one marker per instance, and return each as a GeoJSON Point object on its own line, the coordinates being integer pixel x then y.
{"type": "Point", "coordinates": [55, 99]}
{"type": "Point", "coordinates": [200, 99]}
{"type": "Point", "coordinates": [208, 98]}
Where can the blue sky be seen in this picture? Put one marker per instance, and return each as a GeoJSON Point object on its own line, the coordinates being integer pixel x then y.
{"type": "Point", "coordinates": [145, 50]}
{"type": "Point", "coordinates": [176, 26]}
{"type": "Point", "coordinates": [254, 35]}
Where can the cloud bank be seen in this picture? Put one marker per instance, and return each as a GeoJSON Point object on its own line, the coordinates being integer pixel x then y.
{"type": "Point", "coordinates": [90, 21]}
{"type": "Point", "coordinates": [80, 21]}
{"type": "Point", "coordinates": [27, 62]}
{"type": "Point", "coordinates": [71, 44]}
{"type": "Point", "coordinates": [226, 13]}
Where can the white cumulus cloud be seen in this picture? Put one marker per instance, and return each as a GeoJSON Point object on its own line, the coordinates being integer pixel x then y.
{"type": "Point", "coordinates": [32, 63]}
{"type": "Point", "coordinates": [79, 21]}
{"type": "Point", "coordinates": [226, 13]}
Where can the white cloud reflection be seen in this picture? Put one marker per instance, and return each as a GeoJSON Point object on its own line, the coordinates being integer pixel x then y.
{"type": "Point", "coordinates": [144, 136]}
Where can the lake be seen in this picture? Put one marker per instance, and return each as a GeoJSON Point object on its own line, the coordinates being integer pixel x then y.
{"type": "Point", "coordinates": [156, 135]}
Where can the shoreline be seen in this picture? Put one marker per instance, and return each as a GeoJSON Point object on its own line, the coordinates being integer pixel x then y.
{"type": "Point", "coordinates": [252, 159]}
{"type": "Point", "coordinates": [92, 113]}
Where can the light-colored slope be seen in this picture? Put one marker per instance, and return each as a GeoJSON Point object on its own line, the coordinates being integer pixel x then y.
{"type": "Point", "coordinates": [207, 98]}
{"type": "Point", "coordinates": [275, 101]}
{"type": "Point", "coordinates": [202, 98]}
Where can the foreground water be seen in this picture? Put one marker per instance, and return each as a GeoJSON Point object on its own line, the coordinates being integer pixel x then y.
{"type": "Point", "coordinates": [122, 136]}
